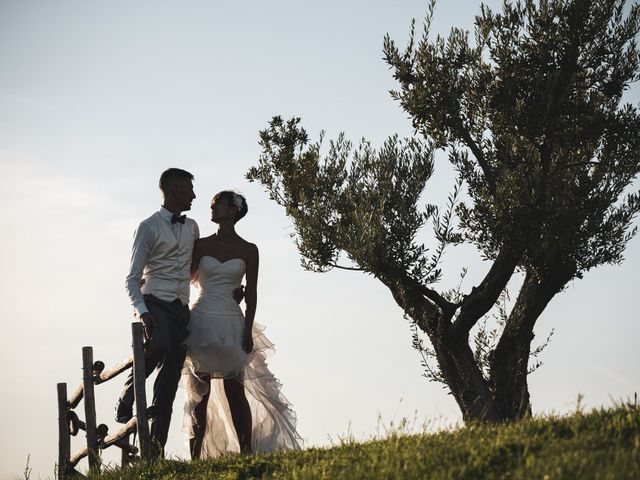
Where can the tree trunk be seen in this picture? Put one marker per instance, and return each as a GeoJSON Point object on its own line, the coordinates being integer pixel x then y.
{"type": "Point", "coordinates": [465, 380]}
{"type": "Point", "coordinates": [506, 395]}
{"type": "Point", "coordinates": [455, 358]}
{"type": "Point", "coordinates": [509, 362]}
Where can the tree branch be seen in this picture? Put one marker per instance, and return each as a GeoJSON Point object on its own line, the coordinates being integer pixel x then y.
{"type": "Point", "coordinates": [445, 305]}
{"type": "Point", "coordinates": [485, 295]}
{"type": "Point", "coordinates": [351, 269]}
{"type": "Point", "coordinates": [479, 154]}
{"type": "Point", "coordinates": [409, 284]}
{"type": "Point", "coordinates": [408, 295]}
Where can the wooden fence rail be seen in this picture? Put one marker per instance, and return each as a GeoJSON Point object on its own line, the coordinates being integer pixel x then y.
{"type": "Point", "coordinates": [99, 376]}
{"type": "Point", "coordinates": [98, 438]}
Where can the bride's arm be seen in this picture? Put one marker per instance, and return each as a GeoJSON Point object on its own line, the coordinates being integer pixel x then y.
{"type": "Point", "coordinates": [251, 295]}
{"type": "Point", "coordinates": [195, 259]}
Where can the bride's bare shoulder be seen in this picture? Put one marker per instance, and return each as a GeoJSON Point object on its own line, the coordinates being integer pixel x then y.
{"type": "Point", "coordinates": [202, 243]}
{"type": "Point", "coordinates": [205, 240]}
{"type": "Point", "coordinates": [248, 247]}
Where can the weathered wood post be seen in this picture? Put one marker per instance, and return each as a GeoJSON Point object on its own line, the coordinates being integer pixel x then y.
{"type": "Point", "coordinates": [64, 438]}
{"type": "Point", "coordinates": [124, 453]}
{"type": "Point", "coordinates": [90, 407]}
{"type": "Point", "coordinates": [139, 391]}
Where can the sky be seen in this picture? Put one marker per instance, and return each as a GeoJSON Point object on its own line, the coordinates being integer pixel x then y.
{"type": "Point", "coordinates": [98, 98]}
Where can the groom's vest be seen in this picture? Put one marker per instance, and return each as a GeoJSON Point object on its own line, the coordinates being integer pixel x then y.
{"type": "Point", "coordinates": [166, 273]}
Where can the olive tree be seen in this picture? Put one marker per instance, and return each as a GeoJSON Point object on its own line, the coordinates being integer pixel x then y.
{"type": "Point", "coordinates": [529, 109]}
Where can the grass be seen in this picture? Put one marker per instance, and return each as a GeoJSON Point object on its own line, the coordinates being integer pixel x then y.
{"type": "Point", "coordinates": [602, 444]}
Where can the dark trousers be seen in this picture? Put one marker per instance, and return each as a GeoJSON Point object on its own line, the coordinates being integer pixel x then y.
{"type": "Point", "coordinates": [163, 350]}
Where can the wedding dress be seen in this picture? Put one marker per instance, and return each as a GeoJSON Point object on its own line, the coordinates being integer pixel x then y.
{"type": "Point", "coordinates": [214, 346]}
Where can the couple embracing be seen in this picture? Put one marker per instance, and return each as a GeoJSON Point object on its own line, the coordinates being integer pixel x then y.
{"type": "Point", "coordinates": [215, 351]}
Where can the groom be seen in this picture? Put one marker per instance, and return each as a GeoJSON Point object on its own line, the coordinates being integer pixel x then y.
{"type": "Point", "coordinates": [158, 288]}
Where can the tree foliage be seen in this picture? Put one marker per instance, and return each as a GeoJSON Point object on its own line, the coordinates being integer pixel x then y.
{"type": "Point", "coordinates": [529, 109]}
{"type": "Point", "coordinates": [531, 115]}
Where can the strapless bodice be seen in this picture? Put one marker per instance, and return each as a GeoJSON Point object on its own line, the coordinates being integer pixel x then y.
{"type": "Point", "coordinates": [217, 281]}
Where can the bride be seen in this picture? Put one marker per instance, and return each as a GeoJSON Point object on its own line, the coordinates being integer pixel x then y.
{"type": "Point", "coordinates": [234, 403]}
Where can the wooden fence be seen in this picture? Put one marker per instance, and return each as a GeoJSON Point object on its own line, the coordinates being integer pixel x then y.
{"type": "Point", "coordinates": [98, 438]}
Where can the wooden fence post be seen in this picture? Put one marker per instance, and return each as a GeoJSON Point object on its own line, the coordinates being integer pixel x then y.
{"type": "Point", "coordinates": [139, 391]}
{"type": "Point", "coordinates": [124, 454]}
{"type": "Point", "coordinates": [90, 407]}
{"type": "Point", "coordinates": [64, 438]}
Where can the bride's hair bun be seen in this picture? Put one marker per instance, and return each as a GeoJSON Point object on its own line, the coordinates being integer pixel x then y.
{"type": "Point", "coordinates": [234, 198]}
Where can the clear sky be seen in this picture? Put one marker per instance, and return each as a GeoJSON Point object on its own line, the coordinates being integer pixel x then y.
{"type": "Point", "coordinates": [97, 98]}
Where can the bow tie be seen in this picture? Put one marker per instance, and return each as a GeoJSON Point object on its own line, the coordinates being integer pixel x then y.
{"type": "Point", "coordinates": [178, 218]}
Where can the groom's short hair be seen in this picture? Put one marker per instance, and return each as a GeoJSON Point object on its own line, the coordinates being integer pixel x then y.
{"type": "Point", "coordinates": [170, 176]}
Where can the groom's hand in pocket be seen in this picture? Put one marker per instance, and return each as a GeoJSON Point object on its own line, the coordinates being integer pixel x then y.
{"type": "Point", "coordinates": [147, 322]}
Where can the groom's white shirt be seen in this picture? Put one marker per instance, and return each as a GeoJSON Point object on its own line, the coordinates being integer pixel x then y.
{"type": "Point", "coordinates": [161, 255]}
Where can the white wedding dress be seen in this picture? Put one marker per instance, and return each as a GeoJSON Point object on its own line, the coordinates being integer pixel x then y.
{"type": "Point", "coordinates": [214, 346]}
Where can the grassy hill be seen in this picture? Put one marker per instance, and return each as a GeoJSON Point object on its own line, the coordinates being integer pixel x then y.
{"type": "Point", "coordinates": [602, 444]}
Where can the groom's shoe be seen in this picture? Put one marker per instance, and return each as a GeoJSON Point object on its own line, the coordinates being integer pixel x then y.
{"type": "Point", "coordinates": [124, 412]}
